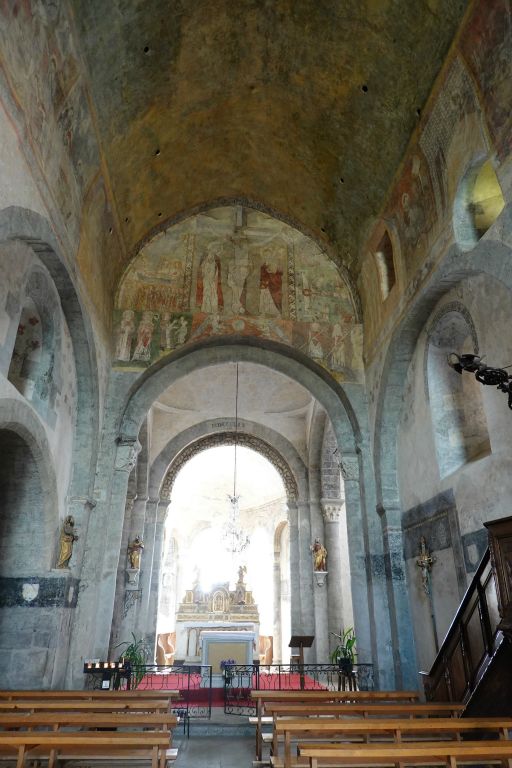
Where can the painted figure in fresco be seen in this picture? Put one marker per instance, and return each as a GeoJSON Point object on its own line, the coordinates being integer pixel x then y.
{"type": "Point", "coordinates": [319, 556]}
{"type": "Point", "coordinates": [237, 275]}
{"type": "Point", "coordinates": [181, 334]}
{"type": "Point", "coordinates": [168, 331]}
{"type": "Point", "coordinates": [210, 272]}
{"type": "Point", "coordinates": [134, 552]}
{"type": "Point", "coordinates": [271, 287]}
{"type": "Point", "coordinates": [67, 538]}
{"type": "Point", "coordinates": [144, 335]}
{"type": "Point", "coordinates": [315, 348]}
{"type": "Point", "coordinates": [342, 348]}
{"type": "Point", "coordinates": [125, 335]}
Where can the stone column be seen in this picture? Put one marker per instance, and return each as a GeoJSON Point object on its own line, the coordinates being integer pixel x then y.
{"type": "Point", "coordinates": [332, 510]}
{"type": "Point", "coordinates": [402, 636]}
{"type": "Point", "coordinates": [92, 627]}
{"type": "Point", "coordinates": [295, 580]}
{"type": "Point", "coordinates": [146, 569]}
{"type": "Point", "coordinates": [307, 626]}
{"type": "Point", "coordinates": [277, 641]}
{"type": "Point", "coordinates": [156, 570]}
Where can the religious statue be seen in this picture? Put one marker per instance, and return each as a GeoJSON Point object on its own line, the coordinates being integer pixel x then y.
{"type": "Point", "coordinates": [67, 537]}
{"type": "Point", "coordinates": [425, 561]}
{"type": "Point", "coordinates": [319, 556]}
{"type": "Point", "coordinates": [135, 552]}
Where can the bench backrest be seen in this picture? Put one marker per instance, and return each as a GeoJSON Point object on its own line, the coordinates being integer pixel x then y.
{"type": "Point", "coordinates": [411, 726]}
{"type": "Point", "coordinates": [112, 705]}
{"type": "Point", "coordinates": [320, 694]}
{"type": "Point", "coordinates": [388, 710]}
{"type": "Point", "coordinates": [86, 719]}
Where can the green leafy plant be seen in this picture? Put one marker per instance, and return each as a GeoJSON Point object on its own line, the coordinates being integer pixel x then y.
{"type": "Point", "coordinates": [345, 654]}
{"type": "Point", "coordinates": [137, 653]}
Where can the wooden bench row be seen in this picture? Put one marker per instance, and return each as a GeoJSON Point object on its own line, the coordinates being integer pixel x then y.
{"type": "Point", "coordinates": [266, 699]}
{"type": "Point", "coordinates": [69, 721]}
{"type": "Point", "coordinates": [446, 753]}
{"type": "Point", "coordinates": [383, 731]}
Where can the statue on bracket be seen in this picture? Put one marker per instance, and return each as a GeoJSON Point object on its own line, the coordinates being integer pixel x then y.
{"type": "Point", "coordinates": [135, 552]}
{"type": "Point", "coordinates": [319, 556]}
{"type": "Point", "coordinates": [67, 538]}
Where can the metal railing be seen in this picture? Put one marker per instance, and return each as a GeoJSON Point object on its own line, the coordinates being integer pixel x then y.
{"type": "Point", "coordinates": [240, 679]}
{"type": "Point", "coordinates": [193, 681]}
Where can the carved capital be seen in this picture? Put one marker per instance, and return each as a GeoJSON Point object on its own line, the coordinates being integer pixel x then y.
{"type": "Point", "coordinates": [349, 467]}
{"type": "Point", "coordinates": [332, 510]}
{"type": "Point", "coordinates": [128, 448]}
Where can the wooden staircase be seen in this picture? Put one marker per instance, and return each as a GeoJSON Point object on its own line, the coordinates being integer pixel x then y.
{"type": "Point", "coordinates": [474, 663]}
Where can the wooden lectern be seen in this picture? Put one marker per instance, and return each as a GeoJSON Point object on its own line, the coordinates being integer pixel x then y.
{"type": "Point", "coordinates": [301, 642]}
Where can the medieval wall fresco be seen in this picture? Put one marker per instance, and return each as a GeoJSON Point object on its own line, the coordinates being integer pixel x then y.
{"type": "Point", "coordinates": [467, 111]}
{"type": "Point", "coordinates": [235, 271]}
{"type": "Point", "coordinates": [44, 93]}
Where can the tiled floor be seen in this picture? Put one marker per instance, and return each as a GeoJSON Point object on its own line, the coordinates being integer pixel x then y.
{"type": "Point", "coordinates": [215, 752]}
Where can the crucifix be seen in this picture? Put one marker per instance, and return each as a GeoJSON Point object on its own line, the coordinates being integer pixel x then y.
{"type": "Point", "coordinates": [425, 562]}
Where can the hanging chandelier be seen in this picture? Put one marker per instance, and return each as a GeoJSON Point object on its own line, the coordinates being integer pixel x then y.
{"type": "Point", "coordinates": [234, 538]}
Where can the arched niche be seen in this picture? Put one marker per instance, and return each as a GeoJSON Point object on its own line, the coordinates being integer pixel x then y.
{"type": "Point", "coordinates": [456, 402]}
{"type": "Point", "coordinates": [26, 546]}
{"type": "Point", "coordinates": [35, 363]}
{"type": "Point", "coordinates": [478, 203]}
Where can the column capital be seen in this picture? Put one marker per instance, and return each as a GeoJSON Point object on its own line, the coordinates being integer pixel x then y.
{"type": "Point", "coordinates": [128, 448]}
{"type": "Point", "coordinates": [332, 509]}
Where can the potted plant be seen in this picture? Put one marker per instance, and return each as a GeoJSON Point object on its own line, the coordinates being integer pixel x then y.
{"type": "Point", "coordinates": [344, 655]}
{"type": "Point", "coordinates": [136, 653]}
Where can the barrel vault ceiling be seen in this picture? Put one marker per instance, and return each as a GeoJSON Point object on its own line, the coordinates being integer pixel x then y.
{"type": "Point", "coordinates": [302, 106]}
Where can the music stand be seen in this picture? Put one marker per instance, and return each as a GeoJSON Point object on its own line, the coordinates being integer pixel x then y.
{"type": "Point", "coordinates": [301, 642]}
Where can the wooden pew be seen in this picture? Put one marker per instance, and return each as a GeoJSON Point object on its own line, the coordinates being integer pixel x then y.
{"type": "Point", "coordinates": [87, 720]}
{"type": "Point", "coordinates": [86, 745]}
{"type": "Point", "coordinates": [446, 753]}
{"type": "Point", "coordinates": [94, 694]}
{"type": "Point", "coordinates": [361, 710]}
{"type": "Point", "coordinates": [70, 705]}
{"type": "Point", "coordinates": [263, 698]}
{"type": "Point", "coordinates": [394, 729]}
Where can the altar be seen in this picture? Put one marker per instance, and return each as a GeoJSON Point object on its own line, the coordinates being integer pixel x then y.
{"type": "Point", "coordinates": [218, 625]}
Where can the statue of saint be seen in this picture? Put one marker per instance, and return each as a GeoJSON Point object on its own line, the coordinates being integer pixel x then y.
{"type": "Point", "coordinates": [319, 556]}
{"type": "Point", "coordinates": [67, 537]}
{"type": "Point", "coordinates": [135, 552]}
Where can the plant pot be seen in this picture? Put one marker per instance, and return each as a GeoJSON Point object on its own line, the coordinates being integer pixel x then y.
{"type": "Point", "coordinates": [346, 666]}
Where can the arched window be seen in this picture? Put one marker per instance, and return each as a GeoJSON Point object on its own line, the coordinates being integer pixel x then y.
{"type": "Point", "coordinates": [385, 265]}
{"type": "Point", "coordinates": [456, 402]}
{"type": "Point", "coordinates": [478, 203]}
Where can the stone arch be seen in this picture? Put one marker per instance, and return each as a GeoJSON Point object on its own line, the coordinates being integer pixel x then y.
{"type": "Point", "coordinates": [277, 536]}
{"type": "Point", "coordinates": [257, 436]}
{"type": "Point", "coordinates": [18, 223]}
{"type": "Point", "coordinates": [346, 409]}
{"type": "Point", "coordinates": [488, 257]}
{"type": "Point", "coordinates": [255, 205]}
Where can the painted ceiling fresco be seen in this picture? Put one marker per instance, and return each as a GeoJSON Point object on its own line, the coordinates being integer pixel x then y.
{"type": "Point", "coordinates": [303, 106]}
{"type": "Point", "coordinates": [234, 271]}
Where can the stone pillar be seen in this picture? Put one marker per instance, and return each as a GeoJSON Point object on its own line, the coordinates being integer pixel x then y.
{"type": "Point", "coordinates": [295, 580]}
{"type": "Point", "coordinates": [154, 587]}
{"type": "Point", "coordinates": [307, 626]}
{"type": "Point", "coordinates": [277, 640]}
{"type": "Point", "coordinates": [332, 510]}
{"type": "Point", "coordinates": [402, 636]}
{"type": "Point", "coordinates": [146, 571]}
{"type": "Point", "coordinates": [92, 627]}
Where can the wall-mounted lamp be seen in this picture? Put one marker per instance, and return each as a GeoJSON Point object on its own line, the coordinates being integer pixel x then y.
{"type": "Point", "coordinates": [485, 374]}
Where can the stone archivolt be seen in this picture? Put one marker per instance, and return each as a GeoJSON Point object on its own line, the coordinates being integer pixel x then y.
{"type": "Point", "coordinates": [228, 438]}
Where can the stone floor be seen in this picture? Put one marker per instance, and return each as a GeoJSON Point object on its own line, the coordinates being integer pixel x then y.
{"type": "Point", "coordinates": [215, 752]}
{"type": "Point", "coordinates": [224, 741]}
